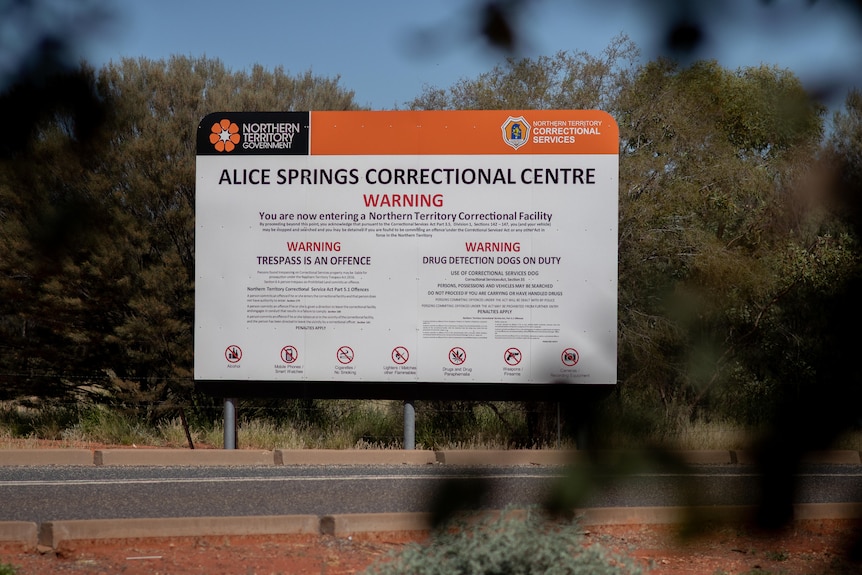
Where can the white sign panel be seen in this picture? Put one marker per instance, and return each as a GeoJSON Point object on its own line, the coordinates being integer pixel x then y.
{"type": "Point", "coordinates": [475, 246]}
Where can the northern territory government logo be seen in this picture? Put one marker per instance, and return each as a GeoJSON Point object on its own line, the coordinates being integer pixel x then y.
{"type": "Point", "coordinates": [224, 135]}
{"type": "Point", "coordinates": [516, 131]}
{"type": "Point", "coordinates": [254, 133]}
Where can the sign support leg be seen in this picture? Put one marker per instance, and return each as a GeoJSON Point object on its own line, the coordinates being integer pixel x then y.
{"type": "Point", "coordinates": [409, 425]}
{"type": "Point", "coordinates": [230, 423]}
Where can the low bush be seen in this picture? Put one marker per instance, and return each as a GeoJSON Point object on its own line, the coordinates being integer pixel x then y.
{"type": "Point", "coordinates": [512, 542]}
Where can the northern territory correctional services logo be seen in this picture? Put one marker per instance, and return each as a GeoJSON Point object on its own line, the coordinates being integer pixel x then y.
{"type": "Point", "coordinates": [516, 131]}
{"type": "Point", "coordinates": [224, 136]}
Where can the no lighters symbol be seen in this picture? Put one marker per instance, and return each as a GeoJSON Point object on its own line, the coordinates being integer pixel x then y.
{"type": "Point", "coordinates": [233, 353]}
{"type": "Point", "coordinates": [400, 355]}
{"type": "Point", "coordinates": [570, 356]}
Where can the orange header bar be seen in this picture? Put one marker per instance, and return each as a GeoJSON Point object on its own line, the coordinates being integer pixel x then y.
{"type": "Point", "coordinates": [464, 132]}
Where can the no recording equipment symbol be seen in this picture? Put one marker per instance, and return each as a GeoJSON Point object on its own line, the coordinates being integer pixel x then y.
{"type": "Point", "coordinates": [570, 356]}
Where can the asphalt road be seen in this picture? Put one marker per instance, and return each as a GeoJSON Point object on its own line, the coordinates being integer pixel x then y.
{"type": "Point", "coordinates": [54, 493]}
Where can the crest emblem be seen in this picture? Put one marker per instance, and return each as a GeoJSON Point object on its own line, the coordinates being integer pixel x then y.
{"type": "Point", "coordinates": [516, 131]}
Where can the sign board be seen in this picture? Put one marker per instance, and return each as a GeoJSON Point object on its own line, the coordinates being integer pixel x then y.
{"type": "Point", "coordinates": [404, 246]}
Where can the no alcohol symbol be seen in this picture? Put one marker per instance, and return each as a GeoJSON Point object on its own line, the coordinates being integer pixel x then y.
{"type": "Point", "coordinates": [344, 354]}
{"type": "Point", "coordinates": [457, 355]}
{"type": "Point", "coordinates": [233, 353]}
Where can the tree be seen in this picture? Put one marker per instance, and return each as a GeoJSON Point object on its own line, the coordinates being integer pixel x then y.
{"type": "Point", "coordinates": [682, 31]}
{"type": "Point", "coordinates": [713, 240]}
{"type": "Point", "coordinates": [844, 155]}
{"type": "Point", "coordinates": [97, 292]}
{"type": "Point", "coordinates": [564, 81]}
{"type": "Point", "coordinates": [53, 112]}
{"type": "Point", "coordinates": [55, 232]}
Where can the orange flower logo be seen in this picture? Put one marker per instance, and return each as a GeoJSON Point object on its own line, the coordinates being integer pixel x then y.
{"type": "Point", "coordinates": [225, 136]}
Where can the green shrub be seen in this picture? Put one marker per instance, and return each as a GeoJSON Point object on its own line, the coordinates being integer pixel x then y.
{"type": "Point", "coordinates": [522, 543]}
{"type": "Point", "coordinates": [43, 422]}
{"type": "Point", "coordinates": [6, 569]}
{"type": "Point", "coordinates": [102, 424]}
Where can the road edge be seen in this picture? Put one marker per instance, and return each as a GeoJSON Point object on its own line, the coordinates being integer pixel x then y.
{"type": "Point", "coordinates": [245, 457]}
{"type": "Point", "coordinates": [56, 534]}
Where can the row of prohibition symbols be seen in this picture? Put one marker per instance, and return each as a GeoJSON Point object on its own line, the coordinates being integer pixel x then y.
{"type": "Point", "coordinates": [289, 354]}
{"type": "Point", "coordinates": [400, 355]}
{"type": "Point", "coordinates": [513, 356]}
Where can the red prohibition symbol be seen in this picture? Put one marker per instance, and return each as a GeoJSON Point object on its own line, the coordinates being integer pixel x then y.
{"type": "Point", "coordinates": [570, 356]}
{"type": "Point", "coordinates": [233, 354]}
{"type": "Point", "coordinates": [512, 356]}
{"type": "Point", "coordinates": [457, 356]}
{"type": "Point", "coordinates": [344, 354]}
{"type": "Point", "coordinates": [289, 354]}
{"type": "Point", "coordinates": [400, 355]}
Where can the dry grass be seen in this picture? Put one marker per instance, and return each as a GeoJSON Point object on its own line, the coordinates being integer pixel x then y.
{"type": "Point", "coordinates": [346, 425]}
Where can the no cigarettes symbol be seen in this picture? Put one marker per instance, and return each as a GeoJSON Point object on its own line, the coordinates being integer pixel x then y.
{"type": "Point", "coordinates": [345, 354]}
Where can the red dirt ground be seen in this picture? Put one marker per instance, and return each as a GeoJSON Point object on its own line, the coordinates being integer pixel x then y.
{"type": "Point", "coordinates": [809, 548]}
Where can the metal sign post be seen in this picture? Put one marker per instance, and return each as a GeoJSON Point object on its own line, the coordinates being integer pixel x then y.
{"type": "Point", "coordinates": [409, 426]}
{"type": "Point", "coordinates": [230, 423]}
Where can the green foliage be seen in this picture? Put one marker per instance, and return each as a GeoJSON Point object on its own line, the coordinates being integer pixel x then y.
{"type": "Point", "coordinates": [103, 425]}
{"type": "Point", "coordinates": [466, 424]}
{"type": "Point", "coordinates": [367, 425]}
{"type": "Point", "coordinates": [563, 81]}
{"type": "Point", "coordinates": [44, 422]}
{"type": "Point", "coordinates": [725, 244]}
{"type": "Point", "coordinates": [843, 152]}
{"type": "Point", "coordinates": [8, 569]}
{"type": "Point", "coordinates": [97, 278]}
{"type": "Point", "coordinates": [509, 543]}
{"type": "Point", "coordinates": [776, 555]}
{"type": "Point", "coordinates": [366, 422]}
{"type": "Point", "coordinates": [719, 244]}
{"type": "Point", "coordinates": [737, 224]}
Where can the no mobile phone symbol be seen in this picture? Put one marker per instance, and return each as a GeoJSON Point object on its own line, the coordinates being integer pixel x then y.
{"type": "Point", "coordinates": [289, 354]}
